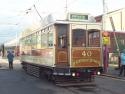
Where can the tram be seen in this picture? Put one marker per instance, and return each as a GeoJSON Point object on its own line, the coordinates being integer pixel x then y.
{"type": "Point", "coordinates": [64, 50]}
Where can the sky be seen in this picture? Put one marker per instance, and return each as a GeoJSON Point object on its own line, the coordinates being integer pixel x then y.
{"type": "Point", "coordinates": [15, 15]}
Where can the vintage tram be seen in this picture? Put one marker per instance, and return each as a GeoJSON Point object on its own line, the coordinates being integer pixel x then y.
{"type": "Point", "coordinates": [64, 50]}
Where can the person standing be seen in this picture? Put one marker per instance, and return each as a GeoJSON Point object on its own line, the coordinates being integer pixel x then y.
{"type": "Point", "coordinates": [10, 58]}
{"type": "Point", "coordinates": [122, 68]}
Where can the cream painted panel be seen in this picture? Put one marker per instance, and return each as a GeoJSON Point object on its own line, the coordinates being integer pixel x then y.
{"type": "Point", "coordinates": [76, 26]}
{"type": "Point", "coordinates": [94, 26]}
{"type": "Point", "coordinates": [38, 60]}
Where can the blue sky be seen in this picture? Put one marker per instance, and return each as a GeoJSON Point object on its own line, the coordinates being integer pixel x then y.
{"type": "Point", "coordinates": [13, 17]}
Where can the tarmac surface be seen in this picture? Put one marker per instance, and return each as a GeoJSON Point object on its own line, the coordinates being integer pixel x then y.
{"type": "Point", "coordinates": [113, 71]}
{"type": "Point", "coordinates": [16, 81]}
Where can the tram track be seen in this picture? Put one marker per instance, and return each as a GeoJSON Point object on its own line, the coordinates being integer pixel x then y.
{"type": "Point", "coordinates": [97, 89]}
{"type": "Point", "coordinates": [112, 77]}
{"type": "Point", "coordinates": [91, 90]}
{"type": "Point", "coordinates": [81, 89]}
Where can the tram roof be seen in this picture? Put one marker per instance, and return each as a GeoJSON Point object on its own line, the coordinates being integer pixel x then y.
{"type": "Point", "coordinates": [70, 22]}
{"type": "Point", "coordinates": [64, 22]}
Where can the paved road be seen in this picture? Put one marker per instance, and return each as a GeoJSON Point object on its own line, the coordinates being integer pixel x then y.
{"type": "Point", "coordinates": [16, 81]}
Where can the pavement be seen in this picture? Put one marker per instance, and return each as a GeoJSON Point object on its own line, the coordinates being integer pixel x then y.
{"type": "Point", "coordinates": [16, 81]}
{"type": "Point", "coordinates": [4, 64]}
{"type": "Point", "coordinates": [113, 71]}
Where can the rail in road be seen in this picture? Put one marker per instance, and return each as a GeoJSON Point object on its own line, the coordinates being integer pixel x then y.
{"type": "Point", "coordinates": [115, 77]}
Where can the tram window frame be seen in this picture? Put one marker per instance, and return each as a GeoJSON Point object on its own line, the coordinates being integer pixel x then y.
{"type": "Point", "coordinates": [44, 42]}
{"type": "Point", "coordinates": [41, 38]}
{"type": "Point", "coordinates": [76, 39]}
{"type": "Point", "coordinates": [22, 42]}
{"type": "Point", "coordinates": [38, 39]}
{"type": "Point", "coordinates": [95, 37]}
{"type": "Point", "coordinates": [62, 33]}
{"type": "Point", "coordinates": [34, 41]}
{"type": "Point", "coordinates": [62, 40]}
{"type": "Point", "coordinates": [50, 39]}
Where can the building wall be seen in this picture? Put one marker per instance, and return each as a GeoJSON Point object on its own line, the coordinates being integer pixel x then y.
{"type": "Point", "coordinates": [118, 17]}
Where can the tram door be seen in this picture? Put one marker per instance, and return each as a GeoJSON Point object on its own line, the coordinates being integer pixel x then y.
{"type": "Point", "coordinates": [62, 45]}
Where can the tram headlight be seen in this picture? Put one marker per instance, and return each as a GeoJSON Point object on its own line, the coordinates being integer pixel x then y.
{"type": "Point", "coordinates": [73, 74]}
{"type": "Point", "coordinates": [98, 73]}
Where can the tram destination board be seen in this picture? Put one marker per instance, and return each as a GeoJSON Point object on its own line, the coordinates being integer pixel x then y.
{"type": "Point", "coordinates": [77, 17]}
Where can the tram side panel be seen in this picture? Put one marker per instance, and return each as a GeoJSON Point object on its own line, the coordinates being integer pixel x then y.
{"type": "Point", "coordinates": [55, 62]}
{"type": "Point", "coordinates": [37, 52]}
{"type": "Point", "coordinates": [86, 61]}
{"type": "Point", "coordinates": [86, 51]}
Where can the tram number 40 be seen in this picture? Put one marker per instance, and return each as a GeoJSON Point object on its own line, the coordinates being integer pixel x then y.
{"type": "Point", "coordinates": [87, 53]}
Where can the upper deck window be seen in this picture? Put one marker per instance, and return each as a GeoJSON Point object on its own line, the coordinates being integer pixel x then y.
{"type": "Point", "coordinates": [78, 38]}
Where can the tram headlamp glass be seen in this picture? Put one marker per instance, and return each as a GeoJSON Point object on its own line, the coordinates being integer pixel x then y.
{"type": "Point", "coordinates": [98, 73]}
{"type": "Point", "coordinates": [73, 74]}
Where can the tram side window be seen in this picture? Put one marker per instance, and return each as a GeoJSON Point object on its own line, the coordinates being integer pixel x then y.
{"type": "Point", "coordinates": [38, 40]}
{"type": "Point", "coordinates": [34, 38]}
{"type": "Point", "coordinates": [44, 40]}
{"type": "Point", "coordinates": [62, 36]}
{"type": "Point", "coordinates": [78, 38]}
{"type": "Point", "coordinates": [50, 39]}
{"type": "Point", "coordinates": [93, 38]}
{"type": "Point", "coordinates": [22, 45]}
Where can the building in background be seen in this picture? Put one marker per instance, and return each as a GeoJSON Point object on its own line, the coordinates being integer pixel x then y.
{"type": "Point", "coordinates": [12, 45]}
{"type": "Point", "coordinates": [118, 17]}
{"type": "Point", "coordinates": [116, 33]}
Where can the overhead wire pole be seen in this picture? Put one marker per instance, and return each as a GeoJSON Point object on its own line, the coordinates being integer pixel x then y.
{"type": "Point", "coordinates": [28, 10]}
{"type": "Point", "coordinates": [113, 27]}
{"type": "Point", "coordinates": [37, 12]}
{"type": "Point", "coordinates": [118, 49]}
{"type": "Point", "coordinates": [66, 6]}
{"type": "Point", "coordinates": [104, 14]}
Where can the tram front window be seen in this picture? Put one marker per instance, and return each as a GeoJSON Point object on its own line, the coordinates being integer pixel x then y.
{"type": "Point", "coordinates": [94, 38]}
{"type": "Point", "coordinates": [78, 38]}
